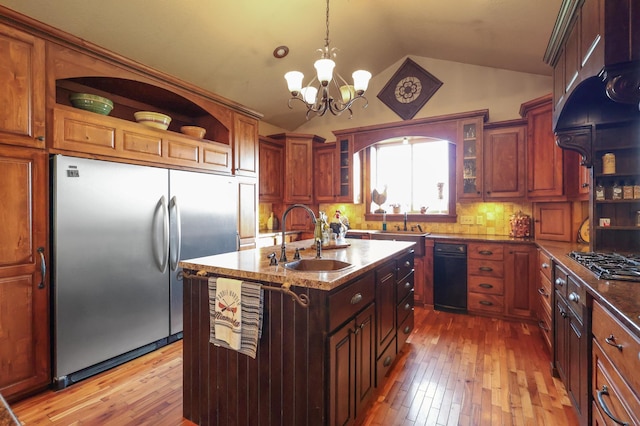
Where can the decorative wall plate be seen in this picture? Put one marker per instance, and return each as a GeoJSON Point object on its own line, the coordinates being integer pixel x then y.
{"type": "Point", "coordinates": [583, 232]}
{"type": "Point", "coordinates": [409, 89]}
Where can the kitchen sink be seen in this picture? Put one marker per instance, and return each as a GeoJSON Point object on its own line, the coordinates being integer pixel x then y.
{"type": "Point", "coordinates": [413, 236]}
{"type": "Point", "coordinates": [317, 265]}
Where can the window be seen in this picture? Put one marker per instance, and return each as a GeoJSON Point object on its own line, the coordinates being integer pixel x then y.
{"type": "Point", "coordinates": [416, 175]}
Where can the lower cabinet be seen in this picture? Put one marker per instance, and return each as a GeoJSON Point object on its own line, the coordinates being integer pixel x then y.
{"type": "Point", "coordinates": [352, 367]}
{"type": "Point", "coordinates": [520, 281]}
{"type": "Point", "coordinates": [544, 297]}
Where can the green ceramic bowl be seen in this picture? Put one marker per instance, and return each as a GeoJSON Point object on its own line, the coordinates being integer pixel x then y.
{"type": "Point", "coordinates": [93, 103]}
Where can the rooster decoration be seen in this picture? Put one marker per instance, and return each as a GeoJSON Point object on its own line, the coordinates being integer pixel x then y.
{"type": "Point", "coordinates": [379, 199]}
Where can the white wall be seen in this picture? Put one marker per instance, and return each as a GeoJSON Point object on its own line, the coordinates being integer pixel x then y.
{"type": "Point", "coordinates": [465, 88]}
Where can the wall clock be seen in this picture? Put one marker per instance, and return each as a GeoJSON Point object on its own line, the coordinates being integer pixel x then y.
{"type": "Point", "coordinates": [409, 89]}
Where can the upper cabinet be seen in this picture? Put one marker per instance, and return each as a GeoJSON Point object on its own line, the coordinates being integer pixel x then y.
{"type": "Point", "coordinates": [22, 85]}
{"type": "Point", "coordinates": [271, 170]}
{"type": "Point", "coordinates": [469, 160]}
{"type": "Point", "coordinates": [504, 160]}
{"type": "Point", "coordinates": [325, 172]}
{"type": "Point", "coordinates": [337, 172]}
{"type": "Point", "coordinates": [245, 145]}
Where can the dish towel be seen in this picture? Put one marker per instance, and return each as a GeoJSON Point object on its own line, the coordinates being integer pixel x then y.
{"type": "Point", "coordinates": [235, 316]}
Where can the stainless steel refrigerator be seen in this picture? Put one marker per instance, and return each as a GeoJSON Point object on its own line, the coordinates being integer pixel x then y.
{"type": "Point", "coordinates": [119, 231]}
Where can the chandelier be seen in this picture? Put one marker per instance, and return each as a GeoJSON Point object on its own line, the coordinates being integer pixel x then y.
{"type": "Point", "coordinates": [319, 99]}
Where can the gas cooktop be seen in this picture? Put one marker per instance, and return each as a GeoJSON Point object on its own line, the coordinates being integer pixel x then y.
{"type": "Point", "coordinates": [610, 266]}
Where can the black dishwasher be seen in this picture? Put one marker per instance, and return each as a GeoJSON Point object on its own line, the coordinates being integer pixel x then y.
{"type": "Point", "coordinates": [450, 277]}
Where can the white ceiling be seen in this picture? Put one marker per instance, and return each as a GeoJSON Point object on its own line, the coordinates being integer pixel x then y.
{"type": "Point", "coordinates": [227, 46]}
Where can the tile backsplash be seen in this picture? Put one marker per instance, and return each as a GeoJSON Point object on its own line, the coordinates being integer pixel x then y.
{"type": "Point", "coordinates": [473, 218]}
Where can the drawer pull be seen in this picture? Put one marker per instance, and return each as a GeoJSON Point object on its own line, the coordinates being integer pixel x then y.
{"type": "Point", "coordinates": [407, 264]}
{"type": "Point", "coordinates": [407, 284]}
{"type": "Point", "coordinates": [574, 297]}
{"type": "Point", "coordinates": [486, 252]}
{"type": "Point", "coordinates": [485, 268]}
{"type": "Point", "coordinates": [407, 306]}
{"type": "Point", "coordinates": [604, 407]}
{"type": "Point", "coordinates": [407, 329]}
{"type": "Point", "coordinates": [545, 265]}
{"type": "Point", "coordinates": [357, 298]}
{"type": "Point", "coordinates": [486, 303]}
{"type": "Point", "coordinates": [563, 314]}
{"type": "Point", "coordinates": [484, 285]}
{"type": "Point", "coordinates": [387, 361]}
{"type": "Point", "coordinates": [560, 281]}
{"type": "Point", "coordinates": [543, 325]}
{"type": "Point", "coordinates": [542, 292]}
{"type": "Point", "coordinates": [611, 341]}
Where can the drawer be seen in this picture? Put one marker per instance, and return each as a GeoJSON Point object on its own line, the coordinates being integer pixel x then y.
{"type": "Point", "coordinates": [404, 330]}
{"type": "Point", "coordinates": [576, 297]}
{"type": "Point", "coordinates": [544, 290]}
{"type": "Point", "coordinates": [622, 348]}
{"type": "Point", "coordinates": [346, 302]}
{"type": "Point", "coordinates": [545, 264]}
{"type": "Point", "coordinates": [544, 323]}
{"type": "Point", "coordinates": [611, 393]}
{"type": "Point", "coordinates": [487, 285]}
{"type": "Point", "coordinates": [485, 251]}
{"type": "Point", "coordinates": [485, 268]}
{"type": "Point", "coordinates": [560, 281]}
{"type": "Point", "coordinates": [490, 303]}
{"type": "Point", "coordinates": [404, 265]}
{"type": "Point", "coordinates": [404, 287]}
{"type": "Point", "coordinates": [405, 307]}
{"type": "Point", "coordinates": [384, 363]}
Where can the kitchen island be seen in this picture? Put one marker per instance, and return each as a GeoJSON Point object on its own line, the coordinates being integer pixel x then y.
{"type": "Point", "coordinates": [317, 363]}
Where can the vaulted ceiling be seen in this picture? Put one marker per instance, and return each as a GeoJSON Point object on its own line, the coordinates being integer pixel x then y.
{"type": "Point", "coordinates": [227, 46]}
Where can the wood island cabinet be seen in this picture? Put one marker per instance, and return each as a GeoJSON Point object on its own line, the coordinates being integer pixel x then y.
{"type": "Point", "coordinates": [24, 279]}
{"type": "Point", "coordinates": [22, 87]}
{"type": "Point", "coordinates": [504, 167]}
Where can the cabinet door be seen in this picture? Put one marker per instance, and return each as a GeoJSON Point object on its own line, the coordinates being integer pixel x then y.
{"type": "Point", "coordinates": [24, 285]}
{"type": "Point", "coordinates": [342, 376]}
{"type": "Point", "coordinates": [271, 171]}
{"type": "Point", "coordinates": [298, 186]}
{"type": "Point", "coordinates": [544, 156]}
{"type": "Point", "coordinates": [365, 358]}
{"type": "Point", "coordinates": [247, 213]}
{"type": "Point", "coordinates": [552, 221]}
{"type": "Point", "coordinates": [386, 307]}
{"type": "Point", "coordinates": [520, 281]}
{"type": "Point", "coordinates": [469, 160]}
{"type": "Point", "coordinates": [504, 163]}
{"type": "Point", "coordinates": [576, 383]}
{"type": "Point", "coordinates": [245, 146]}
{"type": "Point", "coordinates": [22, 88]}
{"type": "Point", "coordinates": [427, 290]}
{"type": "Point", "coordinates": [561, 326]}
{"type": "Point", "coordinates": [324, 170]}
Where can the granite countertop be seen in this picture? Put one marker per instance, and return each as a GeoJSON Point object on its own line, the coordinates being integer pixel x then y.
{"type": "Point", "coordinates": [253, 265]}
{"type": "Point", "coordinates": [274, 233]}
{"type": "Point", "coordinates": [621, 298]}
{"type": "Point", "coordinates": [456, 237]}
{"type": "Point", "coordinates": [7, 418]}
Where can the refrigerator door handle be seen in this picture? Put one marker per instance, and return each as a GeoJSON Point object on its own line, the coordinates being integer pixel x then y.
{"type": "Point", "coordinates": [175, 251]}
{"type": "Point", "coordinates": [165, 237]}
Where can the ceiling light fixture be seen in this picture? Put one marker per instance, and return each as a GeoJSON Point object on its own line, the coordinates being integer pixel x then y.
{"type": "Point", "coordinates": [319, 99]}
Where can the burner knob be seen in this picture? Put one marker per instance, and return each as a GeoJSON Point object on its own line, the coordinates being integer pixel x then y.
{"type": "Point", "coordinates": [574, 297]}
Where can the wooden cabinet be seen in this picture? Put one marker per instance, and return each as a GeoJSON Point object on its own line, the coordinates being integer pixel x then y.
{"type": "Point", "coordinates": [545, 296]}
{"type": "Point", "coordinates": [247, 212]}
{"type": "Point", "coordinates": [325, 172]}
{"type": "Point", "coordinates": [521, 267]}
{"type": "Point", "coordinates": [615, 364]}
{"type": "Point", "coordinates": [386, 306]}
{"type": "Point", "coordinates": [405, 288]}
{"type": "Point", "coordinates": [504, 170]}
{"type": "Point", "coordinates": [298, 160]}
{"type": "Point", "coordinates": [485, 278]}
{"type": "Point", "coordinates": [571, 342]}
{"type": "Point", "coordinates": [351, 364]}
{"type": "Point", "coordinates": [24, 281]}
{"type": "Point", "coordinates": [22, 88]}
{"type": "Point", "coordinates": [469, 162]}
{"type": "Point", "coordinates": [552, 221]}
{"type": "Point", "coordinates": [271, 170]}
{"type": "Point", "coordinates": [245, 145]}
{"type": "Point", "coordinates": [545, 177]}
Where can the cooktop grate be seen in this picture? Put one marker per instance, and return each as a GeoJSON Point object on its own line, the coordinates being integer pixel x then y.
{"type": "Point", "coordinates": [610, 266]}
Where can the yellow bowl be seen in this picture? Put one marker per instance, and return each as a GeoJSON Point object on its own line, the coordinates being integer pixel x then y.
{"type": "Point", "coordinates": [153, 119]}
{"type": "Point", "coordinates": [195, 131]}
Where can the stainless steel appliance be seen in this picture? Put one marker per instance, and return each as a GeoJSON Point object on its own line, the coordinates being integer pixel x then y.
{"type": "Point", "coordinates": [119, 231]}
{"type": "Point", "coordinates": [610, 266]}
{"type": "Point", "coordinates": [450, 277]}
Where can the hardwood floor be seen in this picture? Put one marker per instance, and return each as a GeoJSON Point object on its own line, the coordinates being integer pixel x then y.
{"type": "Point", "coordinates": [457, 370]}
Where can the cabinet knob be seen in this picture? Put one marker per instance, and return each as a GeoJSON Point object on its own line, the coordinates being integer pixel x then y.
{"type": "Point", "coordinates": [387, 361]}
{"type": "Point", "coordinates": [574, 297]}
{"type": "Point", "coordinates": [357, 298]}
{"type": "Point", "coordinates": [545, 265]}
{"type": "Point", "coordinates": [407, 264]}
{"type": "Point", "coordinates": [560, 282]}
{"type": "Point", "coordinates": [407, 284]}
{"type": "Point", "coordinates": [40, 138]}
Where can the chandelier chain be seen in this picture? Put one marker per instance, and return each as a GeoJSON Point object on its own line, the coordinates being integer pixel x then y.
{"type": "Point", "coordinates": [326, 39]}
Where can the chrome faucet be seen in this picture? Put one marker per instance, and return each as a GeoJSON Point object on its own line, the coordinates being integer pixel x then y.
{"type": "Point", "coordinates": [283, 223]}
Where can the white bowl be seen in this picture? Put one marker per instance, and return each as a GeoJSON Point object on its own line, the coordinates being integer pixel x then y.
{"type": "Point", "coordinates": [153, 119]}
